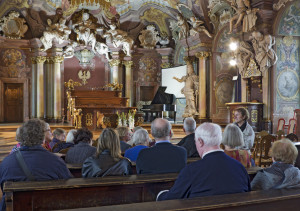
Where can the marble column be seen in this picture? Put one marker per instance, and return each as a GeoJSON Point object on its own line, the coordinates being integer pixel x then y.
{"type": "Point", "coordinates": [33, 87]}
{"type": "Point", "coordinates": [49, 80]}
{"type": "Point", "coordinates": [40, 95]}
{"type": "Point", "coordinates": [129, 82]}
{"type": "Point", "coordinates": [266, 95]}
{"type": "Point", "coordinates": [203, 65]}
{"type": "Point", "coordinates": [57, 92]}
{"type": "Point", "coordinates": [115, 69]}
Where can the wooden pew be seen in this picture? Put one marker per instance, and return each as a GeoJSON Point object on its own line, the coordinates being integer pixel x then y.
{"type": "Point", "coordinates": [85, 192]}
{"type": "Point", "coordinates": [284, 199]}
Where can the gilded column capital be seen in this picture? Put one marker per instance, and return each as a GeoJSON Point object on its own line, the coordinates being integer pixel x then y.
{"type": "Point", "coordinates": [128, 64]}
{"type": "Point", "coordinates": [57, 59]}
{"type": "Point", "coordinates": [188, 59]}
{"type": "Point", "coordinates": [38, 59]}
{"type": "Point", "coordinates": [114, 62]}
{"type": "Point", "coordinates": [203, 54]}
{"type": "Point", "coordinates": [166, 65]}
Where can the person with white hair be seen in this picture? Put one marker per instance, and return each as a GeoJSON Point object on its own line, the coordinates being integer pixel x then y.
{"type": "Point", "coordinates": [188, 142]}
{"type": "Point", "coordinates": [140, 140]}
{"type": "Point", "coordinates": [215, 174]}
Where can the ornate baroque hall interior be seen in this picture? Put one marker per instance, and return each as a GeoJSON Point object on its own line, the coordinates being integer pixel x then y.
{"type": "Point", "coordinates": [104, 63]}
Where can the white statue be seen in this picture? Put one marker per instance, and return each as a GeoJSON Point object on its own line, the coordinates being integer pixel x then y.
{"type": "Point", "coordinates": [58, 31]}
{"type": "Point", "coordinates": [190, 90]}
{"type": "Point", "coordinates": [70, 50]}
{"type": "Point", "coordinates": [118, 37]}
{"type": "Point", "coordinates": [264, 54]}
{"type": "Point", "coordinates": [102, 48]}
{"type": "Point", "coordinates": [198, 27]}
{"type": "Point", "coordinates": [84, 30]}
{"type": "Point", "coordinates": [183, 25]}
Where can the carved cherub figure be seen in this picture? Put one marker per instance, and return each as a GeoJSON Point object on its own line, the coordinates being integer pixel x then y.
{"type": "Point", "coordinates": [58, 31]}
{"type": "Point", "coordinates": [119, 37]}
{"type": "Point", "coordinates": [183, 25]}
{"type": "Point", "coordinates": [198, 27]}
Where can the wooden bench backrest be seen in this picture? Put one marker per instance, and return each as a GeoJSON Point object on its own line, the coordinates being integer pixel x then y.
{"type": "Point", "coordinates": [284, 199]}
{"type": "Point", "coordinates": [85, 192]}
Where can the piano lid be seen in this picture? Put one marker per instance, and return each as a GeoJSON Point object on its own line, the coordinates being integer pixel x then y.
{"type": "Point", "coordinates": [161, 97]}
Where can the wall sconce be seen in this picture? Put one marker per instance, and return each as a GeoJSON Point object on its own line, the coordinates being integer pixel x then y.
{"type": "Point", "coordinates": [232, 62]}
{"type": "Point", "coordinates": [233, 46]}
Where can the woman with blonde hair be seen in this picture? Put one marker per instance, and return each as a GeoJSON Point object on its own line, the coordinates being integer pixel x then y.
{"type": "Point", "coordinates": [232, 140]}
{"type": "Point", "coordinates": [108, 159]}
{"type": "Point", "coordinates": [282, 173]}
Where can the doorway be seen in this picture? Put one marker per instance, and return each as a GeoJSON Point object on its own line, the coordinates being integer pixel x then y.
{"type": "Point", "coordinates": [13, 102]}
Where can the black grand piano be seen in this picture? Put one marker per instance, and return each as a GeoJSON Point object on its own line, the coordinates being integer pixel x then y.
{"type": "Point", "coordinates": [162, 102]}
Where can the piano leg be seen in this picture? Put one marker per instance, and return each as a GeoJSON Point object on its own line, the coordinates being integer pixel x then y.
{"type": "Point", "coordinates": [174, 117]}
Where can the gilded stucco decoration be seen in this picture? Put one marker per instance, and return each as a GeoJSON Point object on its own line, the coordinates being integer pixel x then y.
{"type": "Point", "coordinates": [84, 75]}
{"type": "Point", "coordinates": [219, 13]}
{"type": "Point", "coordinates": [14, 62]}
{"type": "Point", "coordinates": [12, 26]}
{"type": "Point", "coordinates": [149, 37]}
{"type": "Point", "coordinates": [158, 17]}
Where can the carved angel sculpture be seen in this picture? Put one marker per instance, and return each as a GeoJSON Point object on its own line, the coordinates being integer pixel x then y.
{"type": "Point", "coordinates": [85, 31]}
{"type": "Point", "coordinates": [198, 27]}
{"type": "Point", "coordinates": [58, 31]}
{"type": "Point", "coordinates": [190, 90]}
{"type": "Point", "coordinates": [102, 48]}
{"type": "Point", "coordinates": [243, 54]}
{"type": "Point", "coordinates": [244, 13]}
{"type": "Point", "coordinates": [183, 25]}
{"type": "Point", "coordinates": [264, 54]}
{"type": "Point", "coordinates": [119, 37]}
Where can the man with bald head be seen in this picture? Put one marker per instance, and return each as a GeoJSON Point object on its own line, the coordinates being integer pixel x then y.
{"type": "Point", "coordinates": [215, 174]}
{"type": "Point", "coordinates": [164, 157]}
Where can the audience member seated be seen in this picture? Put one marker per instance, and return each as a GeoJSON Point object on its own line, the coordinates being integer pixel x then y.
{"type": "Point", "coordinates": [18, 145]}
{"type": "Point", "coordinates": [282, 173]}
{"type": "Point", "coordinates": [233, 138]}
{"type": "Point", "coordinates": [48, 138]}
{"type": "Point", "coordinates": [83, 147]}
{"type": "Point", "coordinates": [140, 140]}
{"type": "Point", "coordinates": [241, 116]}
{"type": "Point", "coordinates": [215, 174]}
{"type": "Point", "coordinates": [58, 136]}
{"type": "Point", "coordinates": [164, 157]}
{"type": "Point", "coordinates": [188, 142]}
{"type": "Point", "coordinates": [70, 136]}
{"type": "Point", "coordinates": [64, 146]}
{"type": "Point", "coordinates": [108, 160]}
{"type": "Point", "coordinates": [40, 163]}
{"type": "Point", "coordinates": [124, 137]}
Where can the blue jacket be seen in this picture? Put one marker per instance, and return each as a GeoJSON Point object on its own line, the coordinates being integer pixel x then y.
{"type": "Point", "coordinates": [215, 174]}
{"type": "Point", "coordinates": [161, 158]}
{"type": "Point", "coordinates": [133, 152]}
{"type": "Point", "coordinates": [43, 165]}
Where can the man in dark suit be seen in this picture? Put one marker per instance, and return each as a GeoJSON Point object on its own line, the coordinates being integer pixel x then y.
{"type": "Point", "coordinates": [215, 174]}
{"type": "Point", "coordinates": [188, 142]}
{"type": "Point", "coordinates": [164, 157]}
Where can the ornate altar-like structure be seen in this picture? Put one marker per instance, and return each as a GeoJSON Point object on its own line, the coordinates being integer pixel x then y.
{"type": "Point", "coordinates": [99, 109]}
{"type": "Point", "coordinates": [255, 113]}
